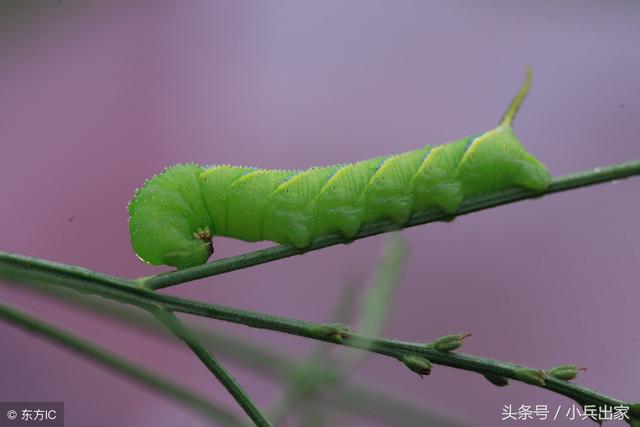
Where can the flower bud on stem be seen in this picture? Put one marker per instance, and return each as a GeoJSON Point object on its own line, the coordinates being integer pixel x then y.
{"type": "Point", "coordinates": [565, 372]}
{"type": "Point", "coordinates": [530, 376]}
{"type": "Point", "coordinates": [417, 364]}
{"type": "Point", "coordinates": [449, 342]}
{"type": "Point", "coordinates": [497, 380]}
{"type": "Point", "coordinates": [337, 331]}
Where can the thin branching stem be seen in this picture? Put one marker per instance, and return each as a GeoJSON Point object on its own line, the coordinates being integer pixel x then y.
{"type": "Point", "coordinates": [168, 319]}
{"type": "Point", "coordinates": [563, 183]}
{"type": "Point", "coordinates": [18, 267]}
{"type": "Point", "coordinates": [362, 400]}
{"type": "Point", "coordinates": [115, 363]}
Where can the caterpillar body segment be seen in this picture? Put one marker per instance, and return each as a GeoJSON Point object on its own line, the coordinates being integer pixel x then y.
{"type": "Point", "coordinates": [176, 213]}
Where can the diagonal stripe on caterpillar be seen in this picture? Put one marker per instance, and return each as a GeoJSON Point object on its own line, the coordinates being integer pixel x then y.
{"type": "Point", "coordinates": [176, 213]}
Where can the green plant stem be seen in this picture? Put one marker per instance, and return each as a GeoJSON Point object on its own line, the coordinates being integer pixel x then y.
{"type": "Point", "coordinates": [119, 365]}
{"type": "Point", "coordinates": [361, 400]}
{"type": "Point", "coordinates": [168, 319]}
{"type": "Point", "coordinates": [563, 183]}
{"type": "Point", "coordinates": [16, 266]}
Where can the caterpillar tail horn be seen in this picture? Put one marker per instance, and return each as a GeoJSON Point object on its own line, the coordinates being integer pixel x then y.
{"type": "Point", "coordinates": [512, 111]}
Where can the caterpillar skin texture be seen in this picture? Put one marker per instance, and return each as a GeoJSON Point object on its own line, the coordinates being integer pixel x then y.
{"type": "Point", "coordinates": [176, 213]}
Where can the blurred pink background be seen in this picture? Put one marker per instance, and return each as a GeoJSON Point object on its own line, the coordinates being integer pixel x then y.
{"type": "Point", "coordinates": [95, 97]}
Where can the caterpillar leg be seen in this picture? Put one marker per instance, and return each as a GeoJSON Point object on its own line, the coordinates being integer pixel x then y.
{"type": "Point", "coordinates": [397, 210]}
{"type": "Point", "coordinates": [346, 221]}
{"type": "Point", "coordinates": [448, 196]}
{"type": "Point", "coordinates": [299, 236]}
{"type": "Point", "coordinates": [349, 226]}
{"type": "Point", "coordinates": [287, 226]}
{"type": "Point", "coordinates": [188, 253]}
{"type": "Point", "coordinates": [531, 174]}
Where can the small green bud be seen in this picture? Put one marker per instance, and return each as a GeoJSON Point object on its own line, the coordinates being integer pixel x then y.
{"type": "Point", "coordinates": [497, 380]}
{"type": "Point", "coordinates": [337, 331]}
{"type": "Point", "coordinates": [529, 376]}
{"type": "Point", "coordinates": [417, 364]}
{"type": "Point", "coordinates": [565, 372]}
{"type": "Point", "coordinates": [449, 342]}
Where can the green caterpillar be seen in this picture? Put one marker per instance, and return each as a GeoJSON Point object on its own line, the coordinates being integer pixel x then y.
{"type": "Point", "coordinates": [176, 213]}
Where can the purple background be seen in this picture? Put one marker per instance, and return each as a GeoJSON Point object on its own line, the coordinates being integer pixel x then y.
{"type": "Point", "coordinates": [95, 97]}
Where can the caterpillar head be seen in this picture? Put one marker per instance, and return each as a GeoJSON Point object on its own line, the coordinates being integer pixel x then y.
{"type": "Point", "coordinates": [168, 221]}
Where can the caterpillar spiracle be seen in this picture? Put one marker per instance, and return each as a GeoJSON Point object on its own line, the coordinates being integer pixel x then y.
{"type": "Point", "coordinates": [174, 216]}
